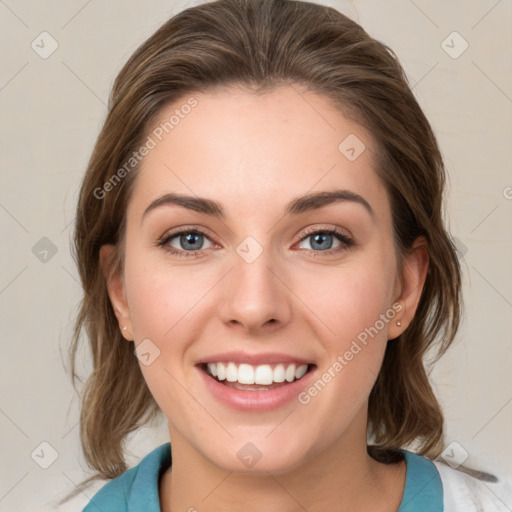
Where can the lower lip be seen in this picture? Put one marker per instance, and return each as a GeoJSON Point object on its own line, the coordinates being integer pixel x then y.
{"type": "Point", "coordinates": [255, 401]}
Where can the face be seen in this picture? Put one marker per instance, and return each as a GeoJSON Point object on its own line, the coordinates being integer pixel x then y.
{"type": "Point", "coordinates": [256, 290]}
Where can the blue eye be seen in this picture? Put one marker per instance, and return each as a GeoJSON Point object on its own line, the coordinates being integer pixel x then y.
{"type": "Point", "coordinates": [322, 240]}
{"type": "Point", "coordinates": [190, 242]}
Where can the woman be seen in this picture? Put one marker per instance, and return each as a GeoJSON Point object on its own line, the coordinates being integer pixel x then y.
{"type": "Point", "coordinates": [260, 240]}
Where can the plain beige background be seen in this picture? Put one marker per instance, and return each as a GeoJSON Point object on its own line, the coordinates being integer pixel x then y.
{"type": "Point", "coordinates": [52, 109]}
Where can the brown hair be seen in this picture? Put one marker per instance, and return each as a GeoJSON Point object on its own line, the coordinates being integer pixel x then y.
{"type": "Point", "coordinates": [259, 45]}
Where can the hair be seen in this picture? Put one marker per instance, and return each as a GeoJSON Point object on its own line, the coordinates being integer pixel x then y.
{"type": "Point", "coordinates": [260, 45]}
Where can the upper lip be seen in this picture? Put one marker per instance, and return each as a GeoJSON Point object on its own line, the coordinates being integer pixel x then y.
{"type": "Point", "coordinates": [253, 359]}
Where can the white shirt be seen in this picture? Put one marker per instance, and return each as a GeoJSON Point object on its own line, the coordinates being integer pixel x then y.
{"type": "Point", "coordinates": [466, 493]}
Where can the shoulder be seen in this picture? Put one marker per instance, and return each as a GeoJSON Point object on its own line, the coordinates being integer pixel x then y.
{"type": "Point", "coordinates": [135, 487]}
{"type": "Point", "coordinates": [473, 492]}
{"type": "Point", "coordinates": [436, 486]}
{"type": "Point", "coordinates": [114, 494]}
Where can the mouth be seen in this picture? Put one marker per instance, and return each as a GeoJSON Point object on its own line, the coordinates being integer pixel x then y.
{"type": "Point", "coordinates": [263, 377]}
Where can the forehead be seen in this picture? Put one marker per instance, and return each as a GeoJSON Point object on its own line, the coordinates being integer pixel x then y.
{"type": "Point", "coordinates": [248, 149]}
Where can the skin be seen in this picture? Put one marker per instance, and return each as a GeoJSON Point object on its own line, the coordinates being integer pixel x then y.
{"type": "Point", "coordinates": [254, 154]}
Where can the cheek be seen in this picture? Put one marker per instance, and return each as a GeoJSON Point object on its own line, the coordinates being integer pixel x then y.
{"type": "Point", "coordinates": [354, 305]}
{"type": "Point", "coordinates": [163, 304]}
{"type": "Point", "coordinates": [160, 298]}
{"type": "Point", "coordinates": [350, 298]}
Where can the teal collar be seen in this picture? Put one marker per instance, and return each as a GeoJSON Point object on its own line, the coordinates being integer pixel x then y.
{"type": "Point", "coordinates": [423, 488]}
{"type": "Point", "coordinates": [144, 490]}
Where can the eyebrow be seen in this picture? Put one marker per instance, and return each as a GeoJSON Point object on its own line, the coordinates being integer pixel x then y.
{"type": "Point", "coordinates": [297, 206]}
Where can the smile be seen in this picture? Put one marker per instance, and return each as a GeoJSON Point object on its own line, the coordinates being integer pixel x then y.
{"type": "Point", "coordinates": [256, 378]}
{"type": "Point", "coordinates": [255, 383]}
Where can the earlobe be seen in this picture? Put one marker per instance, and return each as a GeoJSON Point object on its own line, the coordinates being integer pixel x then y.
{"type": "Point", "coordinates": [414, 274]}
{"type": "Point", "coordinates": [116, 290]}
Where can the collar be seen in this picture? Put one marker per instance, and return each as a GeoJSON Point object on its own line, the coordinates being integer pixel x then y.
{"type": "Point", "coordinates": [423, 488]}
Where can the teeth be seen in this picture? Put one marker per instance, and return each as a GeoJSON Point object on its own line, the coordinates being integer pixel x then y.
{"type": "Point", "coordinates": [231, 372]}
{"type": "Point", "coordinates": [245, 374]}
{"type": "Point", "coordinates": [279, 373]}
{"type": "Point", "coordinates": [212, 368]}
{"type": "Point", "coordinates": [290, 373]}
{"type": "Point", "coordinates": [263, 375]}
{"type": "Point", "coordinates": [301, 371]}
{"type": "Point", "coordinates": [221, 371]}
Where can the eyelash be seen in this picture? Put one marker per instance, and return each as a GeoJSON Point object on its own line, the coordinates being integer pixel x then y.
{"type": "Point", "coordinates": [340, 235]}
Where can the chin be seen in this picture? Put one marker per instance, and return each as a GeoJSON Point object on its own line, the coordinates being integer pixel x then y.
{"type": "Point", "coordinates": [257, 455]}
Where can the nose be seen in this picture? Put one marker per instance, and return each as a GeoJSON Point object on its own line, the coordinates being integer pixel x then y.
{"type": "Point", "coordinates": [254, 295]}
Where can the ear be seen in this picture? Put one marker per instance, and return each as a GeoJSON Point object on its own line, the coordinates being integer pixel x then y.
{"type": "Point", "coordinates": [408, 289]}
{"type": "Point", "coordinates": [116, 290]}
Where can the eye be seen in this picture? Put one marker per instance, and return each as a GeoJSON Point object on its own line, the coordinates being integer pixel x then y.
{"type": "Point", "coordinates": [321, 240]}
{"type": "Point", "coordinates": [185, 243]}
{"type": "Point", "coordinates": [189, 243]}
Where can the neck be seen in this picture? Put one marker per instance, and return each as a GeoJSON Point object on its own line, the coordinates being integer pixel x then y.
{"type": "Point", "coordinates": [342, 477]}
